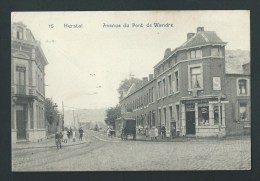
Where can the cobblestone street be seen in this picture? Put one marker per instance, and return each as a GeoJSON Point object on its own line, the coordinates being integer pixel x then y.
{"type": "Point", "coordinates": [102, 153]}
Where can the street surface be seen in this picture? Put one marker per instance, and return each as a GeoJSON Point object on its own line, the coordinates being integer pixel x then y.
{"type": "Point", "coordinates": [100, 153]}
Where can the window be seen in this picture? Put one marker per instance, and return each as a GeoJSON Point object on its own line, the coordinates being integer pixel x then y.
{"type": "Point", "coordinates": [177, 115]}
{"type": "Point", "coordinates": [170, 110]}
{"type": "Point", "coordinates": [195, 54]}
{"type": "Point", "coordinates": [164, 116]}
{"type": "Point", "coordinates": [164, 88]}
{"type": "Point", "coordinates": [20, 80]}
{"type": "Point", "coordinates": [170, 84]}
{"type": "Point", "coordinates": [159, 89]}
{"type": "Point", "coordinates": [19, 33]}
{"type": "Point", "coordinates": [243, 112]}
{"type": "Point", "coordinates": [149, 95]}
{"type": "Point", "coordinates": [160, 116]}
{"type": "Point", "coordinates": [195, 78]}
{"type": "Point", "coordinates": [176, 81]}
{"type": "Point", "coordinates": [242, 87]}
{"type": "Point", "coordinates": [216, 114]}
{"type": "Point", "coordinates": [204, 115]}
{"type": "Point", "coordinates": [152, 94]}
{"type": "Point", "coordinates": [215, 52]}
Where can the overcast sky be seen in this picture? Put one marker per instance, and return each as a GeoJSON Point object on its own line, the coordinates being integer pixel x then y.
{"type": "Point", "coordinates": [114, 53]}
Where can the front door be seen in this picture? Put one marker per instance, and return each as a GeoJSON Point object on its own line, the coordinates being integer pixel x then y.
{"type": "Point", "coordinates": [190, 122]}
{"type": "Point", "coordinates": [21, 122]}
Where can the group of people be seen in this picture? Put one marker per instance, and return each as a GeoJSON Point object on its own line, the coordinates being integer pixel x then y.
{"type": "Point", "coordinates": [65, 135]}
{"type": "Point", "coordinates": [154, 133]}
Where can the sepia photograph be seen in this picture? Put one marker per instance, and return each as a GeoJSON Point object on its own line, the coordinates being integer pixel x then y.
{"type": "Point", "coordinates": [130, 90]}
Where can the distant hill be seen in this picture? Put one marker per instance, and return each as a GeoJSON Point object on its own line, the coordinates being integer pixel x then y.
{"type": "Point", "coordinates": [84, 115]}
{"type": "Point", "coordinates": [235, 59]}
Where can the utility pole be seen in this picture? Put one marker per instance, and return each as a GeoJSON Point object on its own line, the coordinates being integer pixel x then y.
{"type": "Point", "coordinates": [63, 114]}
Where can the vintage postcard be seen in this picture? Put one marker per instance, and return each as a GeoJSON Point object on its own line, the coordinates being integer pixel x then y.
{"type": "Point", "coordinates": [130, 90]}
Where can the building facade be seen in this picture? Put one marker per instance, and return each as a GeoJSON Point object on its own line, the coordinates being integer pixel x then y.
{"type": "Point", "coordinates": [28, 88]}
{"type": "Point", "coordinates": [192, 91]}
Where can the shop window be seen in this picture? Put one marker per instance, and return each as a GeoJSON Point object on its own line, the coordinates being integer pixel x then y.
{"type": "Point", "coordinates": [204, 115]}
{"type": "Point", "coordinates": [243, 112]}
{"type": "Point", "coordinates": [216, 114]}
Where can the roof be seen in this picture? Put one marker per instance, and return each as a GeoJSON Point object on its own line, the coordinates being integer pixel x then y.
{"type": "Point", "coordinates": [202, 38]}
{"type": "Point", "coordinates": [199, 39]}
{"type": "Point", "coordinates": [235, 59]}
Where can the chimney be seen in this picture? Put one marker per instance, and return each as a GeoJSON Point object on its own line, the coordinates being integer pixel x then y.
{"type": "Point", "coordinates": [189, 35]}
{"type": "Point", "coordinates": [167, 52]}
{"type": "Point", "coordinates": [150, 77]}
{"type": "Point", "coordinates": [145, 80]}
{"type": "Point", "coordinates": [200, 29]}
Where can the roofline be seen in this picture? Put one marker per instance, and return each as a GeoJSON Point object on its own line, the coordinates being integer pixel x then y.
{"type": "Point", "coordinates": [137, 90]}
{"type": "Point", "coordinates": [180, 49]}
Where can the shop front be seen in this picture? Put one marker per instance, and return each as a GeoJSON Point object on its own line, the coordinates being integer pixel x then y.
{"type": "Point", "coordinates": [203, 118]}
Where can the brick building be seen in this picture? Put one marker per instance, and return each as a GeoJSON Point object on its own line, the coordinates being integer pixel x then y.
{"type": "Point", "coordinates": [192, 91]}
{"type": "Point", "coordinates": [27, 82]}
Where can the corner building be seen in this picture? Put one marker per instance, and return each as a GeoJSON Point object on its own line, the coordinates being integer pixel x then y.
{"type": "Point", "coordinates": [192, 91]}
{"type": "Point", "coordinates": [27, 85]}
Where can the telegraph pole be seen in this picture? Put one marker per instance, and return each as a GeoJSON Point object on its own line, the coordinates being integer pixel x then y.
{"type": "Point", "coordinates": [63, 114]}
{"type": "Point", "coordinates": [74, 119]}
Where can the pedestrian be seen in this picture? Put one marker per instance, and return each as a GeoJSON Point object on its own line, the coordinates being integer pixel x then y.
{"type": "Point", "coordinates": [146, 132]}
{"type": "Point", "coordinates": [80, 134]}
{"type": "Point", "coordinates": [156, 133]}
{"type": "Point", "coordinates": [74, 135]}
{"type": "Point", "coordinates": [58, 139]}
{"type": "Point", "coordinates": [163, 131]}
{"type": "Point", "coordinates": [65, 136]}
{"type": "Point", "coordinates": [68, 133]}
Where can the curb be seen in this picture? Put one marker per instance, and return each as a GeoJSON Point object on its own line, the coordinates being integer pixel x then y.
{"type": "Point", "coordinates": [48, 146]}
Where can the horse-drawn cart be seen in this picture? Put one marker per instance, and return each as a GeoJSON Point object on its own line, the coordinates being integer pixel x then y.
{"type": "Point", "coordinates": [128, 128]}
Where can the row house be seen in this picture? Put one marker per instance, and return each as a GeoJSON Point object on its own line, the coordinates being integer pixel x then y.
{"type": "Point", "coordinates": [27, 84]}
{"type": "Point", "coordinates": [140, 103]}
{"type": "Point", "coordinates": [192, 90]}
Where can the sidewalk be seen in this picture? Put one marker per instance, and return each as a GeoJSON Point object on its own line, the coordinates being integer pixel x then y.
{"type": "Point", "coordinates": [48, 143]}
{"type": "Point", "coordinates": [176, 139]}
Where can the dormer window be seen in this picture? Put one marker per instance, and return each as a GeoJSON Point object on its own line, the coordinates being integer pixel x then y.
{"type": "Point", "coordinates": [215, 52]}
{"type": "Point", "coordinates": [195, 54]}
{"type": "Point", "coordinates": [19, 33]}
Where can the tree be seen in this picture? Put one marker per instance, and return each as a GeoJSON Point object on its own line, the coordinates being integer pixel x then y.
{"type": "Point", "coordinates": [50, 113]}
{"type": "Point", "coordinates": [112, 114]}
{"type": "Point", "coordinates": [125, 85]}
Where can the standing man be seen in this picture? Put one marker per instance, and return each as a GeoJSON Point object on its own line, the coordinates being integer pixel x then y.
{"type": "Point", "coordinates": [58, 139]}
{"type": "Point", "coordinates": [80, 134]}
{"type": "Point", "coordinates": [163, 130]}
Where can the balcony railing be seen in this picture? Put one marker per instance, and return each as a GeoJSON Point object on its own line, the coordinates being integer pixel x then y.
{"type": "Point", "coordinates": [21, 89]}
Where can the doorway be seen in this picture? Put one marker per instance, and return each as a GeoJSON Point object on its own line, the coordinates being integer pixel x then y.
{"type": "Point", "coordinates": [190, 122]}
{"type": "Point", "coordinates": [21, 122]}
